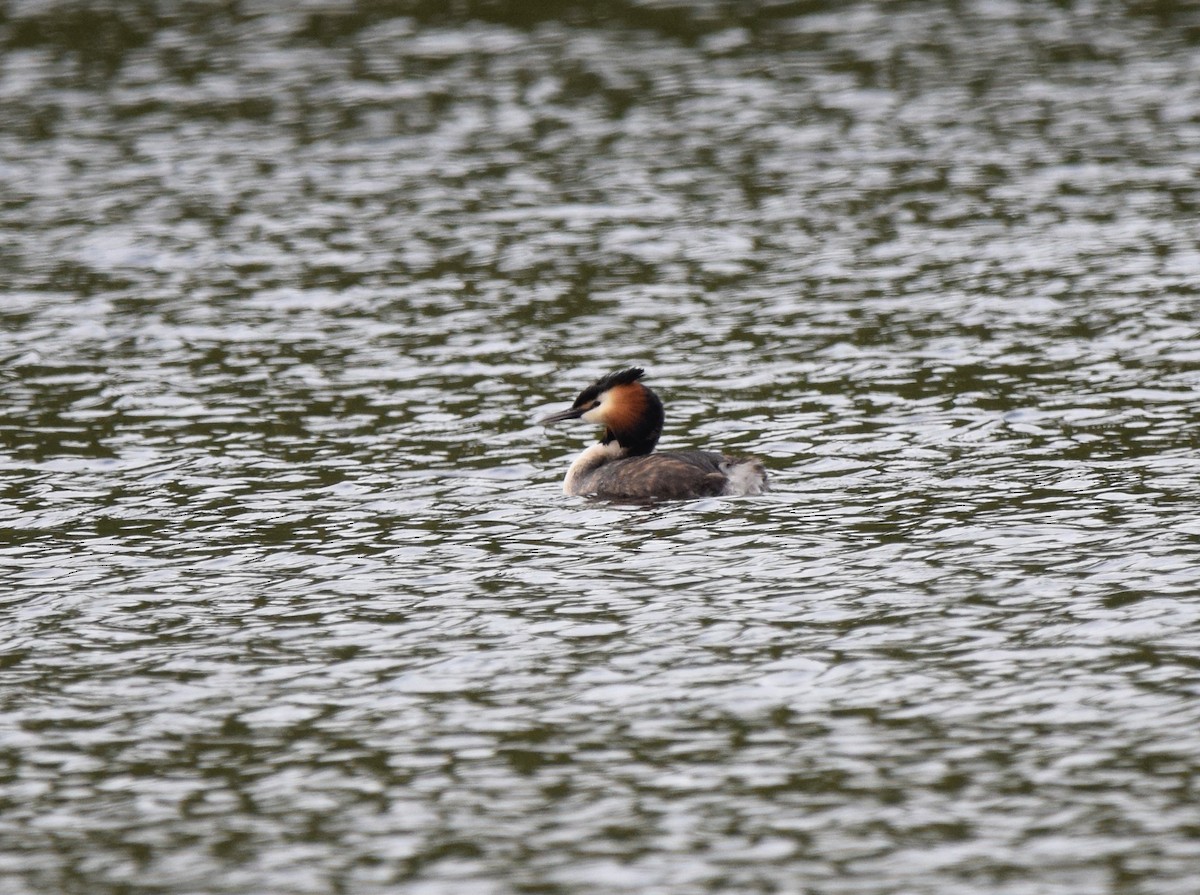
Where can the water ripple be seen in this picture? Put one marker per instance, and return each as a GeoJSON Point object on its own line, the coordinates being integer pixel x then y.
{"type": "Point", "coordinates": [295, 602]}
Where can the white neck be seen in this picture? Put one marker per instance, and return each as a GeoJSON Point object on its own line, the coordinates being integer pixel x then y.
{"type": "Point", "coordinates": [589, 461]}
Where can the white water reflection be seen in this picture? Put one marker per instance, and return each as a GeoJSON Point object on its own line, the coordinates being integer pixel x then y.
{"type": "Point", "coordinates": [295, 602]}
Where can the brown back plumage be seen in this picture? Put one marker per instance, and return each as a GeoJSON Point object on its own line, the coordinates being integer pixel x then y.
{"type": "Point", "coordinates": [663, 476]}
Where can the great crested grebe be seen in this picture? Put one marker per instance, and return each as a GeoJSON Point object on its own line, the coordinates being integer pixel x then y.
{"type": "Point", "coordinates": [623, 466]}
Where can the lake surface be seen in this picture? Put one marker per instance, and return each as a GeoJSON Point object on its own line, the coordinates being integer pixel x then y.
{"type": "Point", "coordinates": [293, 601]}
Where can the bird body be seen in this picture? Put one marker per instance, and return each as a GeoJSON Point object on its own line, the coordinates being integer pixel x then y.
{"type": "Point", "coordinates": [624, 465]}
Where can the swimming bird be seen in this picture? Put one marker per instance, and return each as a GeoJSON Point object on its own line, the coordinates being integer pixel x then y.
{"type": "Point", "coordinates": [623, 465]}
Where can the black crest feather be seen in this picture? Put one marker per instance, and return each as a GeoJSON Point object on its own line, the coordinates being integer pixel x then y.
{"type": "Point", "coordinates": [604, 383]}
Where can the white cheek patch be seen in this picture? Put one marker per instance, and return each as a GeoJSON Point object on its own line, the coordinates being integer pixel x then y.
{"type": "Point", "coordinates": [597, 413]}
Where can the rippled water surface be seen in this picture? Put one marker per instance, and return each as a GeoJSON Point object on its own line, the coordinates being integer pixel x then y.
{"type": "Point", "coordinates": [293, 602]}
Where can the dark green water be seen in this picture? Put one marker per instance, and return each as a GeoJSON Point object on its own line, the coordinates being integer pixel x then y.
{"type": "Point", "coordinates": [291, 598]}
